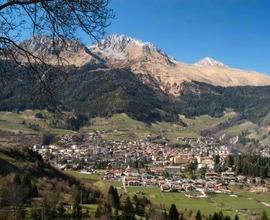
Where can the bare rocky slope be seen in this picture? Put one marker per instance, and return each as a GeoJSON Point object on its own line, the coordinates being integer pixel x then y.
{"type": "Point", "coordinates": [144, 59]}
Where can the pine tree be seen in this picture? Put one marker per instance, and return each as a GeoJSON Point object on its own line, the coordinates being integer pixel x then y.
{"type": "Point", "coordinates": [113, 197]}
{"type": "Point", "coordinates": [110, 195]}
{"type": "Point", "coordinates": [264, 216]}
{"type": "Point", "coordinates": [173, 213]}
{"type": "Point", "coordinates": [198, 215]}
{"type": "Point", "coordinates": [220, 214]}
{"type": "Point", "coordinates": [116, 198]}
{"type": "Point", "coordinates": [215, 216]}
{"type": "Point", "coordinates": [128, 211]}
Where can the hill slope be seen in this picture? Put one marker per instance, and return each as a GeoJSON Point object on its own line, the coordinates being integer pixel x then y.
{"type": "Point", "coordinates": [105, 91]}
{"type": "Point", "coordinates": [124, 75]}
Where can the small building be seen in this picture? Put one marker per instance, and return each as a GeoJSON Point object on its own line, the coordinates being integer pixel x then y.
{"type": "Point", "coordinates": [228, 176]}
{"type": "Point", "coordinates": [211, 176]}
{"type": "Point", "coordinates": [174, 170]}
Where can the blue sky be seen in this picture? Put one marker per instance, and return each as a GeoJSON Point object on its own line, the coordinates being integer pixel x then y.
{"type": "Point", "coordinates": [236, 32]}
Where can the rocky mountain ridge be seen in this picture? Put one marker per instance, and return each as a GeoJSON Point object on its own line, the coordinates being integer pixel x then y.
{"type": "Point", "coordinates": [143, 59]}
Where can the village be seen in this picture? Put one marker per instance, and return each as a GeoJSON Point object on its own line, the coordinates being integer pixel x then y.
{"type": "Point", "coordinates": [191, 169]}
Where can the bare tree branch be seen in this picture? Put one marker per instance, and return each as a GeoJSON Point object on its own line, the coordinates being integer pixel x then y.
{"type": "Point", "coordinates": [60, 20]}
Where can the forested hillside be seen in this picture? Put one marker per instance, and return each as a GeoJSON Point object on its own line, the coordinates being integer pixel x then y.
{"type": "Point", "coordinates": [92, 92]}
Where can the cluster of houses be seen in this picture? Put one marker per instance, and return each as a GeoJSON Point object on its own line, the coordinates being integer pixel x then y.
{"type": "Point", "coordinates": [143, 163]}
{"type": "Point", "coordinates": [211, 182]}
{"type": "Point", "coordinates": [84, 154]}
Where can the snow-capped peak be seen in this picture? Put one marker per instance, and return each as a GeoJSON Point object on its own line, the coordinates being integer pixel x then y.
{"type": "Point", "coordinates": [122, 47]}
{"type": "Point", "coordinates": [208, 61]}
{"type": "Point", "coordinates": [118, 42]}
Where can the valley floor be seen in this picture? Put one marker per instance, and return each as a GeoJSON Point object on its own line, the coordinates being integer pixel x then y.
{"type": "Point", "coordinates": [240, 202]}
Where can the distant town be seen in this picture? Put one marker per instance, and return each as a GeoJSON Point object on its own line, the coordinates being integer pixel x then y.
{"type": "Point", "coordinates": [197, 170]}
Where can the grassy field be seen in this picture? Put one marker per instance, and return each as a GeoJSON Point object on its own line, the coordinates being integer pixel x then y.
{"type": "Point", "coordinates": [15, 127]}
{"type": "Point", "coordinates": [19, 122]}
{"type": "Point", "coordinates": [12, 122]}
{"type": "Point", "coordinates": [238, 129]}
{"type": "Point", "coordinates": [243, 203]}
{"type": "Point", "coordinates": [120, 126]}
{"type": "Point", "coordinates": [91, 208]}
{"type": "Point", "coordinates": [117, 127]}
{"type": "Point", "coordinates": [84, 176]}
{"type": "Point", "coordinates": [94, 180]}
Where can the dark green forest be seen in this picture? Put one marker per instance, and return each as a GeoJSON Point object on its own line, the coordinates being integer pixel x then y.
{"type": "Point", "coordinates": [103, 92]}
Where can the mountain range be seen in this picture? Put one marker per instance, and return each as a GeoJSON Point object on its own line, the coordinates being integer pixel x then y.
{"type": "Point", "coordinates": [120, 51]}
{"type": "Point", "coordinates": [120, 74]}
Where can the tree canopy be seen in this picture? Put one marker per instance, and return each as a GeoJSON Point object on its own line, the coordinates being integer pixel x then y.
{"type": "Point", "coordinates": [60, 20]}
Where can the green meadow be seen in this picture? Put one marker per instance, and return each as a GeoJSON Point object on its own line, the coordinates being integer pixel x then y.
{"type": "Point", "coordinates": [122, 127]}
{"type": "Point", "coordinates": [243, 203]}
{"type": "Point", "coordinates": [118, 127]}
{"type": "Point", "coordinates": [20, 122]}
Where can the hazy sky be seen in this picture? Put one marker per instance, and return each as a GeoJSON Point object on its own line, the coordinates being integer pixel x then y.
{"type": "Point", "coordinates": [236, 32]}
